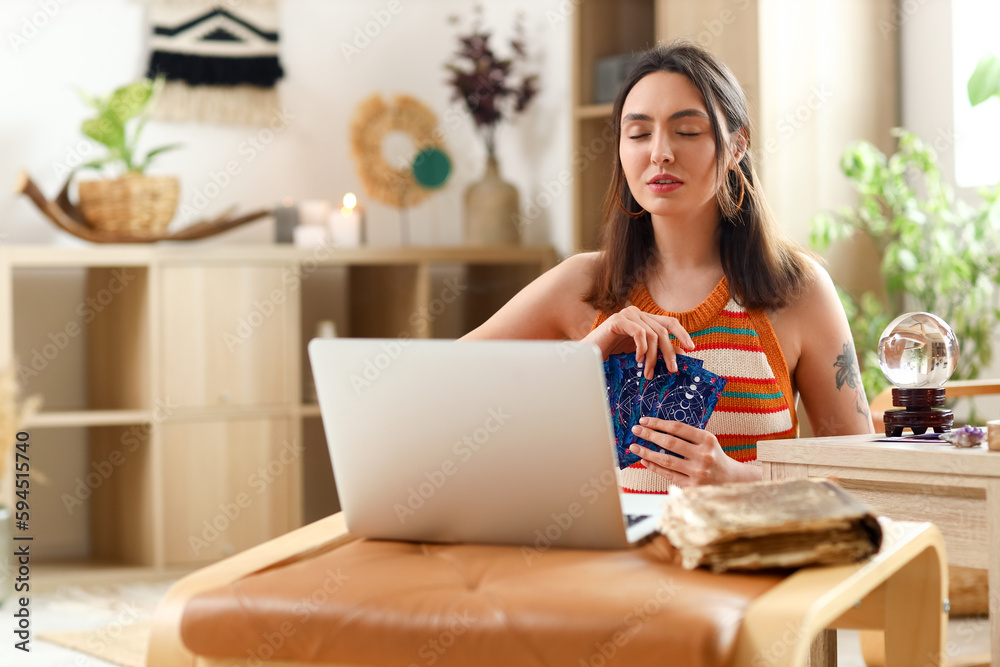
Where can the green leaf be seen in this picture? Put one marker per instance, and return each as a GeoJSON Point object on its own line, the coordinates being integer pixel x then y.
{"type": "Point", "coordinates": [129, 101]}
{"type": "Point", "coordinates": [985, 80]}
{"type": "Point", "coordinates": [105, 129]}
{"type": "Point", "coordinates": [97, 103]}
{"type": "Point", "coordinates": [153, 153]}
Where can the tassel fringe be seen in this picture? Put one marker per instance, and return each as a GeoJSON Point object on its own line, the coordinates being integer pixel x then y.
{"type": "Point", "coordinates": [228, 105]}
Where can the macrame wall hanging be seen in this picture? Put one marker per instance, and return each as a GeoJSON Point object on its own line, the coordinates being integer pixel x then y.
{"type": "Point", "coordinates": [220, 60]}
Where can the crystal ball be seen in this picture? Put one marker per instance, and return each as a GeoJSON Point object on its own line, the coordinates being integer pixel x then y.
{"type": "Point", "coordinates": [918, 350]}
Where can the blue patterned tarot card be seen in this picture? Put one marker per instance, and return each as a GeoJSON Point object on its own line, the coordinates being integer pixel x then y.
{"type": "Point", "coordinates": [688, 396]}
{"type": "Point", "coordinates": [626, 388]}
{"type": "Point", "coordinates": [623, 375]}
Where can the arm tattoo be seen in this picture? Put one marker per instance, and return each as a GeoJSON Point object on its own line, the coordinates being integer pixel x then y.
{"type": "Point", "coordinates": [847, 373]}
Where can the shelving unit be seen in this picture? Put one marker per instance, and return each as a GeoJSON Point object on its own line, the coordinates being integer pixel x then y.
{"type": "Point", "coordinates": [199, 440]}
{"type": "Point", "coordinates": [817, 76]}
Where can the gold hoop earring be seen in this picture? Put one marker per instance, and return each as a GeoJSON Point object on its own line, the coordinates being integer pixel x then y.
{"type": "Point", "coordinates": [743, 188]}
{"type": "Point", "coordinates": [618, 200]}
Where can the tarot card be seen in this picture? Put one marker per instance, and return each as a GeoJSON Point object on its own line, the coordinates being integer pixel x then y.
{"type": "Point", "coordinates": [622, 374]}
{"type": "Point", "coordinates": [627, 385]}
{"type": "Point", "coordinates": [688, 396]}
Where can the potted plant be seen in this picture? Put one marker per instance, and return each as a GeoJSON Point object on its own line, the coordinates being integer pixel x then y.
{"type": "Point", "coordinates": [491, 92]}
{"type": "Point", "coordinates": [985, 80]}
{"type": "Point", "coordinates": [939, 253]}
{"type": "Point", "coordinates": [133, 202]}
{"type": "Point", "coordinates": [13, 414]}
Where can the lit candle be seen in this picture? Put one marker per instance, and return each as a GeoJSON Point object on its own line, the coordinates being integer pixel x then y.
{"type": "Point", "coordinates": [347, 226]}
{"type": "Point", "coordinates": [314, 212]}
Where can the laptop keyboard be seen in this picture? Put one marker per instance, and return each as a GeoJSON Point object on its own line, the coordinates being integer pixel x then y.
{"type": "Point", "coordinates": [632, 519]}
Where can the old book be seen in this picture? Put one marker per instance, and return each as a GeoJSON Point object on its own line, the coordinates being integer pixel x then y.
{"type": "Point", "coordinates": [761, 525]}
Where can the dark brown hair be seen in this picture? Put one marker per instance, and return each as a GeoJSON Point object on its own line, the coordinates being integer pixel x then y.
{"type": "Point", "coordinates": [765, 269]}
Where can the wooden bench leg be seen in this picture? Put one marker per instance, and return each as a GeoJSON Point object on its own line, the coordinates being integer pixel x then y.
{"type": "Point", "coordinates": [823, 652]}
{"type": "Point", "coordinates": [914, 621]}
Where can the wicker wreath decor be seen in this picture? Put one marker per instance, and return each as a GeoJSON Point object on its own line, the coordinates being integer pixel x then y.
{"type": "Point", "coordinates": [402, 186]}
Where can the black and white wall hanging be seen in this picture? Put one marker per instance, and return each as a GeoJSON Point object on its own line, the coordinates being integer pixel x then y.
{"type": "Point", "coordinates": [220, 60]}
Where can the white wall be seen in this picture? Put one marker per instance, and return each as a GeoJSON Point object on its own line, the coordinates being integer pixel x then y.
{"type": "Point", "coordinates": [97, 45]}
{"type": "Point", "coordinates": [927, 45]}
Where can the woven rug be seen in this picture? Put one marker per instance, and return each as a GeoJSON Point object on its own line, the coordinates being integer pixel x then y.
{"type": "Point", "coordinates": [110, 623]}
{"type": "Point", "coordinates": [124, 645]}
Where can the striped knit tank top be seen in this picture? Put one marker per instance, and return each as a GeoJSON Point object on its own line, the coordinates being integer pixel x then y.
{"type": "Point", "coordinates": [740, 345]}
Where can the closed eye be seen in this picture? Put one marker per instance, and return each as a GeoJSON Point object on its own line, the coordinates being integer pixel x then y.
{"type": "Point", "coordinates": [639, 136]}
{"type": "Point", "coordinates": [689, 134]}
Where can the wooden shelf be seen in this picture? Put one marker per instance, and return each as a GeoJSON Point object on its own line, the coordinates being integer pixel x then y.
{"type": "Point", "coordinates": [113, 255]}
{"type": "Point", "coordinates": [801, 125]}
{"type": "Point", "coordinates": [310, 410]}
{"type": "Point", "coordinates": [86, 418]}
{"type": "Point", "coordinates": [191, 361]}
{"type": "Point", "coordinates": [594, 111]}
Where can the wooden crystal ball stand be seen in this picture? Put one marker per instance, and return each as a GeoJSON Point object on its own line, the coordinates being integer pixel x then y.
{"type": "Point", "coordinates": [922, 409]}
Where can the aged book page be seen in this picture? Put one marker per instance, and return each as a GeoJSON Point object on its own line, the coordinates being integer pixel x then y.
{"type": "Point", "coordinates": [769, 524]}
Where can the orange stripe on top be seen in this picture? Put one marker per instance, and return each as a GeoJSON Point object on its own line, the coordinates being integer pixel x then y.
{"type": "Point", "coordinates": [756, 360]}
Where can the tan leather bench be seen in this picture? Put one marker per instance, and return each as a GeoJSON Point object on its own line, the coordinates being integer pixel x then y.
{"type": "Point", "coordinates": [317, 596]}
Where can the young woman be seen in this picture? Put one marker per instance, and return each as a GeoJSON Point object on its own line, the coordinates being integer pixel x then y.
{"type": "Point", "coordinates": [690, 250]}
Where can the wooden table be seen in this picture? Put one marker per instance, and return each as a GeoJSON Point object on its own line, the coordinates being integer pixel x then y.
{"type": "Point", "coordinates": [957, 489]}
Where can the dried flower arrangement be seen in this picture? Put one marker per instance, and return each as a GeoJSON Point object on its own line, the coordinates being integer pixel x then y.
{"type": "Point", "coordinates": [12, 417]}
{"type": "Point", "coordinates": [486, 83]}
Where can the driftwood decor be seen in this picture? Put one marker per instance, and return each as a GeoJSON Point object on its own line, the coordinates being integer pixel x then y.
{"type": "Point", "coordinates": [66, 216]}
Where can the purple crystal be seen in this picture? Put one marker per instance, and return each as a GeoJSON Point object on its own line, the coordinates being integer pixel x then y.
{"type": "Point", "coordinates": [967, 436]}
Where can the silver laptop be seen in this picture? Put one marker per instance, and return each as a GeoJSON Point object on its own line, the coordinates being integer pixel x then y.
{"type": "Point", "coordinates": [502, 442]}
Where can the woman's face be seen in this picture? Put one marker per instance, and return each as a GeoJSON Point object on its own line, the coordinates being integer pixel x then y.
{"type": "Point", "coordinates": [667, 149]}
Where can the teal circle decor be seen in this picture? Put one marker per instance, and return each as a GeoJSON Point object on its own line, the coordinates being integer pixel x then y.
{"type": "Point", "coordinates": [431, 167]}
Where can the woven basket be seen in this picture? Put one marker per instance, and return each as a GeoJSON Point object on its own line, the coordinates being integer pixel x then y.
{"type": "Point", "coordinates": [133, 204]}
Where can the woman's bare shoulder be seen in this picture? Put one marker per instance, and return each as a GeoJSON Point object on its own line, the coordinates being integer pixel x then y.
{"type": "Point", "coordinates": [574, 283]}
{"type": "Point", "coordinates": [578, 269]}
{"type": "Point", "coordinates": [817, 294]}
{"type": "Point", "coordinates": [816, 307]}
{"type": "Point", "coordinates": [552, 306]}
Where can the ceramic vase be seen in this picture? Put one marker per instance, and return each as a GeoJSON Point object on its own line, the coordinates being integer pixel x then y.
{"type": "Point", "coordinates": [492, 208]}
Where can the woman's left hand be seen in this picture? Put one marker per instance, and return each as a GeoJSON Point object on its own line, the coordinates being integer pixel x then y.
{"type": "Point", "coordinates": [704, 461]}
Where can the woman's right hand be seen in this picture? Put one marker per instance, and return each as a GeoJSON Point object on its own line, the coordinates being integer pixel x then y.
{"type": "Point", "coordinates": [633, 329]}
